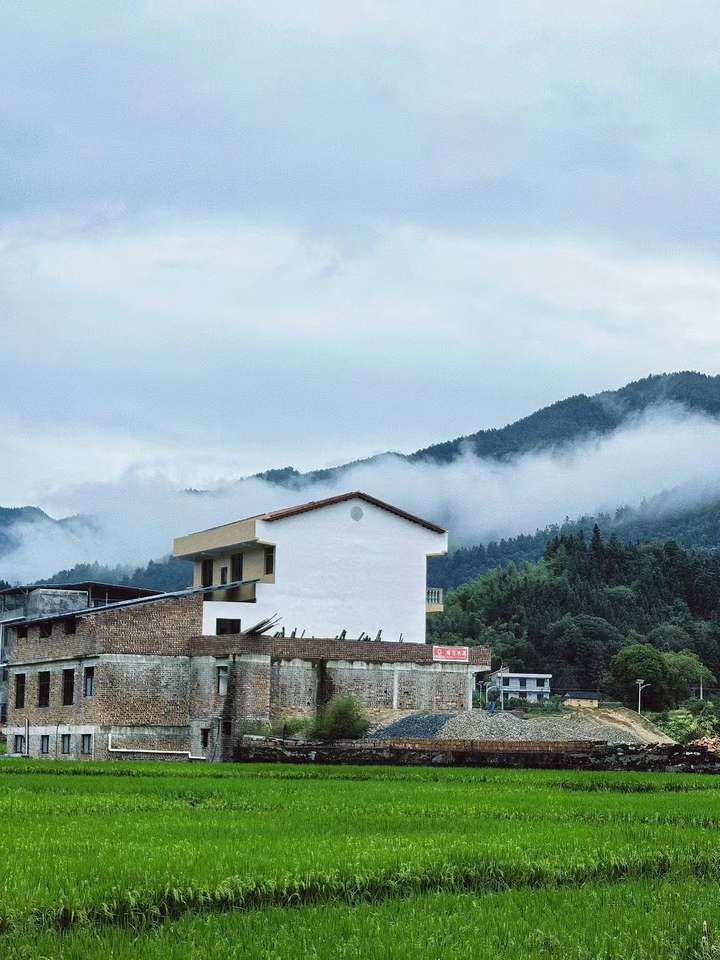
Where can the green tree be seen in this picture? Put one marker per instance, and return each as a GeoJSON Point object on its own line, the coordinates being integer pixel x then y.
{"type": "Point", "coordinates": [639, 661]}
{"type": "Point", "coordinates": [684, 672]}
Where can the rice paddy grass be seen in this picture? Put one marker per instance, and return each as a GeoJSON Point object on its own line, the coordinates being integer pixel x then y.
{"type": "Point", "coordinates": [161, 860]}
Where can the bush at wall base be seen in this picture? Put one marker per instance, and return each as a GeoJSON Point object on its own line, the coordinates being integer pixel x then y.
{"type": "Point", "coordinates": [342, 719]}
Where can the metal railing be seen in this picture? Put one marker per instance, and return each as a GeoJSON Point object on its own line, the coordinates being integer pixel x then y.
{"type": "Point", "coordinates": [434, 595]}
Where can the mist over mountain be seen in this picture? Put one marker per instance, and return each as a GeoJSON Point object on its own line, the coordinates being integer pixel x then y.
{"type": "Point", "coordinates": [653, 445]}
{"type": "Point", "coordinates": [558, 426]}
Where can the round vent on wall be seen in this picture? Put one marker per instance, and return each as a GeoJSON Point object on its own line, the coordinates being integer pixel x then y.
{"type": "Point", "coordinates": [356, 513]}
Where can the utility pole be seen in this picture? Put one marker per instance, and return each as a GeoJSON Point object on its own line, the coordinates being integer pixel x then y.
{"type": "Point", "coordinates": [641, 686]}
{"type": "Point", "coordinates": [502, 689]}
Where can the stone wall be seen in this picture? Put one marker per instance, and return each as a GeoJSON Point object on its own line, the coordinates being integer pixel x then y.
{"type": "Point", "coordinates": [652, 758]}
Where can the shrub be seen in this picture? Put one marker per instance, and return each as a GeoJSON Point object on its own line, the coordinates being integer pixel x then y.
{"type": "Point", "coordinates": [342, 719]}
{"type": "Point", "coordinates": [684, 725]}
{"type": "Point", "coordinates": [291, 726]}
{"type": "Point", "coordinates": [515, 703]}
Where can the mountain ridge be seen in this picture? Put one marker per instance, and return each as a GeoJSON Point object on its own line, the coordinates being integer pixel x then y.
{"type": "Point", "coordinates": [559, 424]}
{"type": "Point", "coordinates": [551, 428]}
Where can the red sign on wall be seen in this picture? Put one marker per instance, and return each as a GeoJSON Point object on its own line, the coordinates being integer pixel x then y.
{"type": "Point", "coordinates": [452, 654]}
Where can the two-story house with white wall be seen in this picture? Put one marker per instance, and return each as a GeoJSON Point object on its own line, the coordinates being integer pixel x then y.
{"type": "Point", "coordinates": [533, 687]}
{"type": "Point", "coordinates": [347, 563]}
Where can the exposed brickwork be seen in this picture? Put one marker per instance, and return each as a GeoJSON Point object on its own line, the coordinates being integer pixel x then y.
{"type": "Point", "coordinates": [287, 648]}
{"type": "Point", "coordinates": [162, 627]}
{"type": "Point", "coordinates": [294, 689]}
{"type": "Point", "coordinates": [252, 684]}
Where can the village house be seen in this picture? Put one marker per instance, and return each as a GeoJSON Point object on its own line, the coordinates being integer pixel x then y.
{"type": "Point", "coordinates": [349, 564]}
{"type": "Point", "coordinates": [288, 610]}
{"type": "Point", "coordinates": [533, 687]}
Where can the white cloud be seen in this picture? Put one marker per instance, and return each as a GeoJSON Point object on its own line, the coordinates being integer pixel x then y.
{"type": "Point", "coordinates": [478, 500]}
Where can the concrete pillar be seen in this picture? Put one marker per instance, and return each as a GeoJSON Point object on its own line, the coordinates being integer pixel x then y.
{"type": "Point", "coordinates": [470, 688]}
{"type": "Point", "coordinates": [396, 688]}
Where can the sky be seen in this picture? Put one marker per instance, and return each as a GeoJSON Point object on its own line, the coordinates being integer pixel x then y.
{"type": "Point", "coordinates": [236, 236]}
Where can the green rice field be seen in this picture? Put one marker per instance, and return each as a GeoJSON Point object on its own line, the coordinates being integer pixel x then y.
{"type": "Point", "coordinates": [163, 860]}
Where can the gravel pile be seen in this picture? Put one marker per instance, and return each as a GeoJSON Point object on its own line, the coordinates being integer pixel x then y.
{"type": "Point", "coordinates": [419, 726]}
{"type": "Point", "coordinates": [480, 725]}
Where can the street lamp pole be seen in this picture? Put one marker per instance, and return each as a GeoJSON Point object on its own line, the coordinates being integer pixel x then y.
{"type": "Point", "coordinates": [641, 686]}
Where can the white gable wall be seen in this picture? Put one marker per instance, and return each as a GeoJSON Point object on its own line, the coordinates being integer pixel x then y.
{"type": "Point", "coordinates": [333, 573]}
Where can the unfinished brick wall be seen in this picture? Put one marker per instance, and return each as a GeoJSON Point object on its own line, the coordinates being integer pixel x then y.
{"type": "Point", "coordinates": [161, 627]}
{"type": "Point", "coordinates": [308, 648]}
{"type": "Point", "coordinates": [370, 683]}
{"type": "Point", "coordinates": [432, 689]}
{"type": "Point", "coordinates": [142, 690]}
{"type": "Point", "coordinates": [293, 689]}
{"type": "Point", "coordinates": [127, 689]}
{"type": "Point", "coordinates": [251, 688]}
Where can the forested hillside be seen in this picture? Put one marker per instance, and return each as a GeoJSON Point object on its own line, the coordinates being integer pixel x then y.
{"type": "Point", "coordinates": [558, 425]}
{"type": "Point", "coordinates": [573, 611]}
{"type": "Point", "coordinates": [663, 518]}
{"type": "Point", "coordinates": [163, 575]}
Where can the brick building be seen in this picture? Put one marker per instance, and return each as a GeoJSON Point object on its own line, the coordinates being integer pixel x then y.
{"type": "Point", "coordinates": [139, 678]}
{"type": "Point", "coordinates": [173, 675]}
{"type": "Point", "coordinates": [22, 603]}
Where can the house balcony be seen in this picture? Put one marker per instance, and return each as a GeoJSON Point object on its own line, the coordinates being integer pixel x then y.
{"type": "Point", "coordinates": [434, 600]}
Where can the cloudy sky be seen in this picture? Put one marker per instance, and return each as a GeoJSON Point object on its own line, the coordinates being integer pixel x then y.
{"type": "Point", "coordinates": [239, 235]}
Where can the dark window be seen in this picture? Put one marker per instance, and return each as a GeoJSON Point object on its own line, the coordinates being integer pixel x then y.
{"type": "Point", "coordinates": [237, 567]}
{"type": "Point", "coordinates": [86, 743]}
{"type": "Point", "coordinates": [70, 626]}
{"type": "Point", "coordinates": [3, 713]}
{"type": "Point", "coordinates": [224, 627]}
{"type": "Point", "coordinates": [44, 743]}
{"type": "Point", "coordinates": [541, 698]}
{"type": "Point", "coordinates": [44, 688]}
{"type": "Point", "coordinates": [5, 674]}
{"type": "Point", "coordinates": [68, 687]}
{"type": "Point", "coordinates": [269, 561]}
{"type": "Point", "coordinates": [540, 682]}
{"type": "Point", "coordinates": [222, 681]}
{"type": "Point", "coordinates": [21, 632]}
{"type": "Point", "coordinates": [223, 575]}
{"type": "Point", "coordinates": [227, 728]}
{"type": "Point", "coordinates": [89, 682]}
{"type": "Point", "coordinates": [65, 743]}
{"type": "Point", "coordinates": [523, 694]}
{"type": "Point", "coordinates": [506, 681]}
{"type": "Point", "coordinates": [205, 737]}
{"type": "Point", "coordinates": [207, 573]}
{"type": "Point", "coordinates": [19, 691]}
{"type": "Point", "coordinates": [523, 682]}
{"type": "Point", "coordinates": [46, 630]}
{"type": "Point", "coordinates": [19, 743]}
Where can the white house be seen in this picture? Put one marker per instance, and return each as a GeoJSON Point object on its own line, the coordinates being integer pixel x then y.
{"type": "Point", "coordinates": [349, 563]}
{"type": "Point", "coordinates": [533, 687]}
